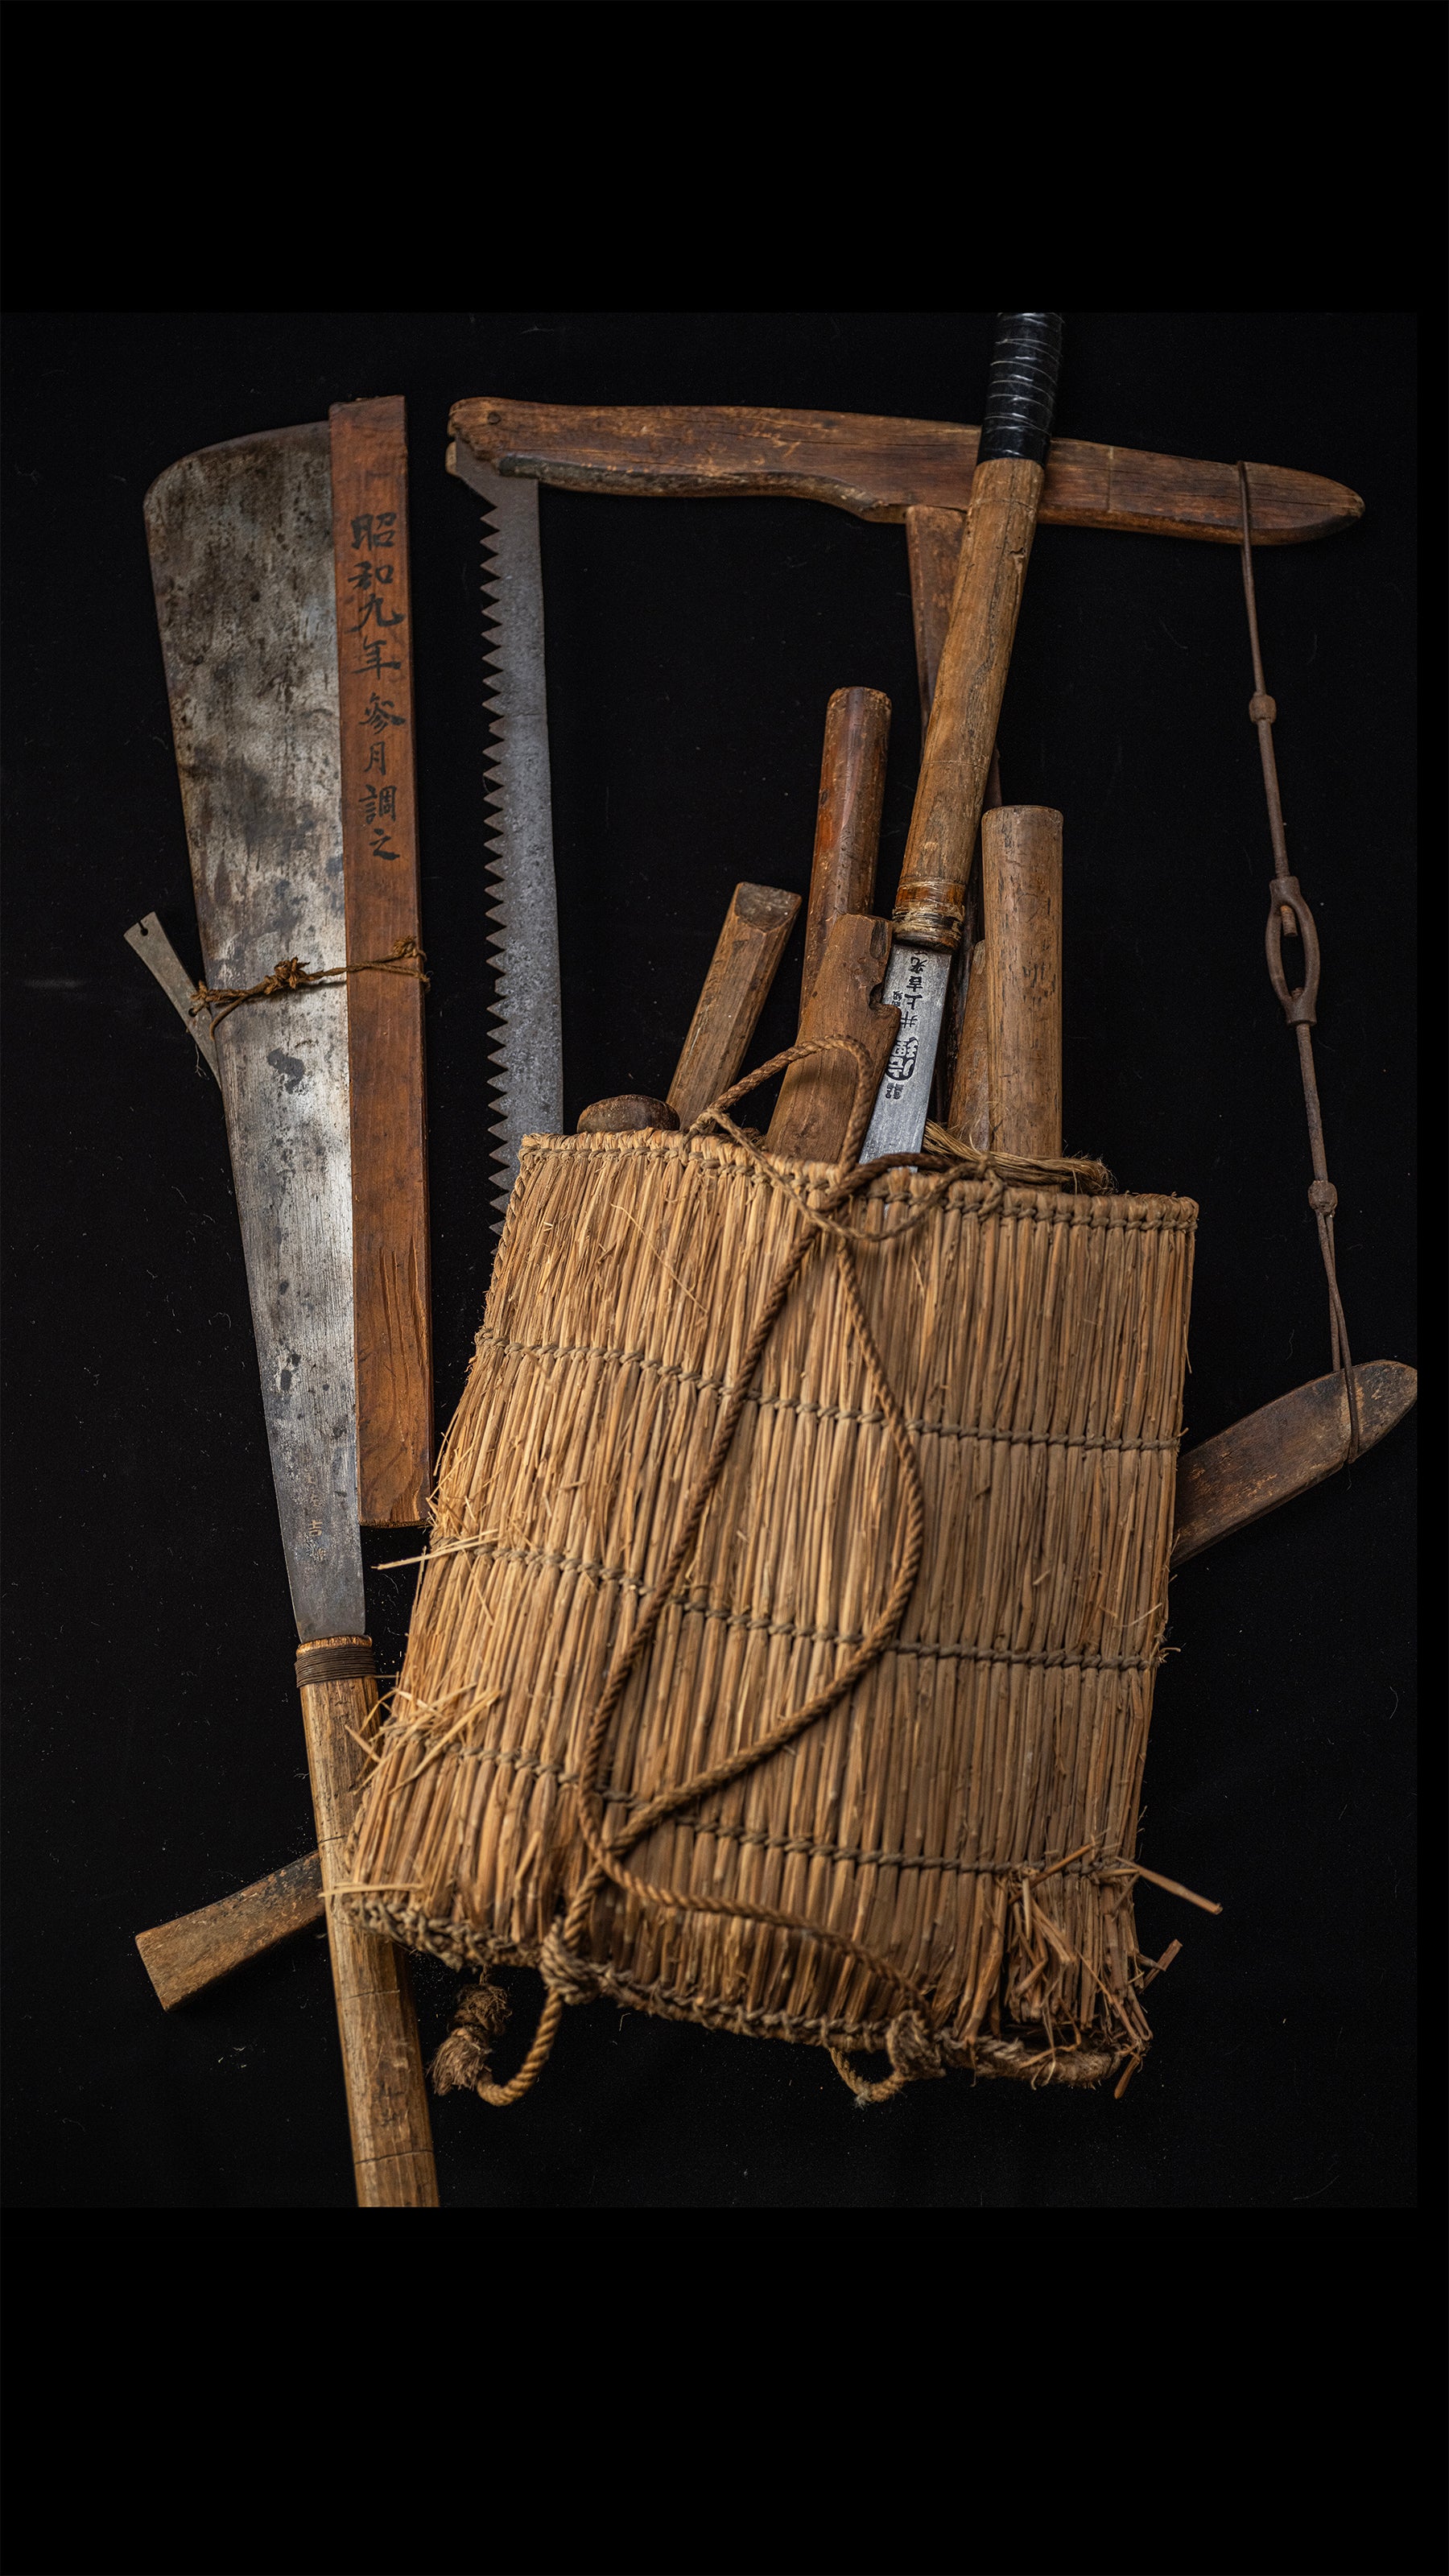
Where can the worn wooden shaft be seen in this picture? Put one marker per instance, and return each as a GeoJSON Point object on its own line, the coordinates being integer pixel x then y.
{"type": "Point", "coordinates": [387, 2105]}
{"type": "Point", "coordinates": [961, 737]}
{"type": "Point", "coordinates": [392, 1292]}
{"type": "Point", "coordinates": [1021, 875]}
{"type": "Point", "coordinates": [933, 551]}
{"type": "Point", "coordinates": [812, 1114]}
{"type": "Point", "coordinates": [880, 467]}
{"type": "Point", "coordinates": [847, 821]}
{"type": "Point", "coordinates": [970, 1111]}
{"type": "Point", "coordinates": [742, 969]}
{"type": "Point", "coordinates": [183, 1957]}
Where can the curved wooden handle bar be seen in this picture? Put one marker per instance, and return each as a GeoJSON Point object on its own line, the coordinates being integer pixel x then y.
{"type": "Point", "coordinates": [878, 468]}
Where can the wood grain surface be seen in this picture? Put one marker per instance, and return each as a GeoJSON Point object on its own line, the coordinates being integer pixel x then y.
{"type": "Point", "coordinates": [624, 1111]}
{"type": "Point", "coordinates": [878, 468]}
{"type": "Point", "coordinates": [812, 1113]}
{"type": "Point", "coordinates": [185, 1956]}
{"type": "Point", "coordinates": [966, 706]}
{"type": "Point", "coordinates": [969, 1114]}
{"type": "Point", "coordinates": [847, 818]}
{"type": "Point", "coordinates": [1021, 875]}
{"type": "Point", "coordinates": [758, 923]}
{"type": "Point", "coordinates": [933, 551]}
{"type": "Point", "coordinates": [1279, 1452]}
{"type": "Point", "coordinates": [394, 1362]}
{"type": "Point", "coordinates": [387, 2104]}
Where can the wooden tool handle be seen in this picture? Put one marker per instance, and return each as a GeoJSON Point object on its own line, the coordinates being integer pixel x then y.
{"type": "Point", "coordinates": [625, 1113]}
{"type": "Point", "coordinates": [812, 1114]}
{"type": "Point", "coordinates": [1001, 522]}
{"type": "Point", "coordinates": [931, 904]}
{"type": "Point", "coordinates": [1021, 877]}
{"type": "Point", "coordinates": [742, 969]}
{"type": "Point", "coordinates": [387, 2103]}
{"type": "Point", "coordinates": [847, 821]}
{"type": "Point", "coordinates": [876, 467]}
{"type": "Point", "coordinates": [182, 1958]}
{"type": "Point", "coordinates": [969, 1114]}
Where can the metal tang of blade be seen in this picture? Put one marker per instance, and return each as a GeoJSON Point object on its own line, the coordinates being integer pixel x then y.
{"type": "Point", "coordinates": [915, 983]}
{"type": "Point", "coordinates": [528, 1053]}
{"type": "Point", "coordinates": [240, 538]}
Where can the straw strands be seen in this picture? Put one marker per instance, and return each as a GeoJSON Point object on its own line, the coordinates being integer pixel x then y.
{"type": "Point", "coordinates": [965, 1817]}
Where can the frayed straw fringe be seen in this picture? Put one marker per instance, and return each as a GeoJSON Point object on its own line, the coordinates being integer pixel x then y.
{"type": "Point", "coordinates": [939, 1864]}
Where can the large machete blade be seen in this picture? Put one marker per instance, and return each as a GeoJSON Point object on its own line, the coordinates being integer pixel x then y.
{"type": "Point", "coordinates": [241, 555]}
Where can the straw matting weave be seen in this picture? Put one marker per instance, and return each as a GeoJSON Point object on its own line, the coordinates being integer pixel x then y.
{"type": "Point", "coordinates": [1033, 1341]}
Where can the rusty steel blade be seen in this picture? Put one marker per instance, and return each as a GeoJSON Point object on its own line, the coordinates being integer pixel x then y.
{"type": "Point", "coordinates": [528, 1054]}
{"type": "Point", "coordinates": [240, 538]}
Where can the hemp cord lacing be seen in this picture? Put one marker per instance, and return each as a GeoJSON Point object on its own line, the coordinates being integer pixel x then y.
{"type": "Point", "coordinates": [290, 975]}
{"type": "Point", "coordinates": [912, 2040]}
{"type": "Point", "coordinates": [1288, 913]}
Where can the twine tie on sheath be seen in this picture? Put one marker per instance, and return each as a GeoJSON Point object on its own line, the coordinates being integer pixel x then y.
{"type": "Point", "coordinates": [290, 975]}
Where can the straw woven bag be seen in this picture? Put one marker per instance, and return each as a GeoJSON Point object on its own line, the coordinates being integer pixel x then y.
{"type": "Point", "coordinates": [784, 1653]}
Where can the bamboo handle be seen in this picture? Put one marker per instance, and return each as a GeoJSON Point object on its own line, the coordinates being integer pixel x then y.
{"type": "Point", "coordinates": [847, 821]}
{"type": "Point", "coordinates": [392, 2148]}
{"type": "Point", "coordinates": [1021, 877]}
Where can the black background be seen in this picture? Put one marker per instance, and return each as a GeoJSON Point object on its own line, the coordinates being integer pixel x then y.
{"type": "Point", "coordinates": [155, 1753]}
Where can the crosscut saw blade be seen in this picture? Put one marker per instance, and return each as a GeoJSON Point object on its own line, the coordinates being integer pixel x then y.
{"type": "Point", "coordinates": [240, 538]}
{"type": "Point", "coordinates": [527, 1082]}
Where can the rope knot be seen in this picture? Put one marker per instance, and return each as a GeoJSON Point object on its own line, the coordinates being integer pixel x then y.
{"type": "Point", "coordinates": [914, 2049]}
{"type": "Point", "coordinates": [572, 1979]}
{"type": "Point", "coordinates": [289, 975]}
{"type": "Point", "coordinates": [1322, 1198]}
{"type": "Point", "coordinates": [461, 2064]}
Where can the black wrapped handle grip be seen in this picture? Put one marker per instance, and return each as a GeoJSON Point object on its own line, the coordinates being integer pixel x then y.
{"type": "Point", "coordinates": [1021, 390]}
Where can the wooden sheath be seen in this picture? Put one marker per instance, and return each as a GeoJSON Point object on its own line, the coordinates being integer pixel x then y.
{"type": "Point", "coordinates": [812, 1114]}
{"type": "Point", "coordinates": [384, 1011]}
{"type": "Point", "coordinates": [878, 468]}
{"type": "Point", "coordinates": [742, 969]}
{"type": "Point", "coordinates": [847, 819]}
{"type": "Point", "coordinates": [1021, 878]}
{"type": "Point", "coordinates": [387, 2103]}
